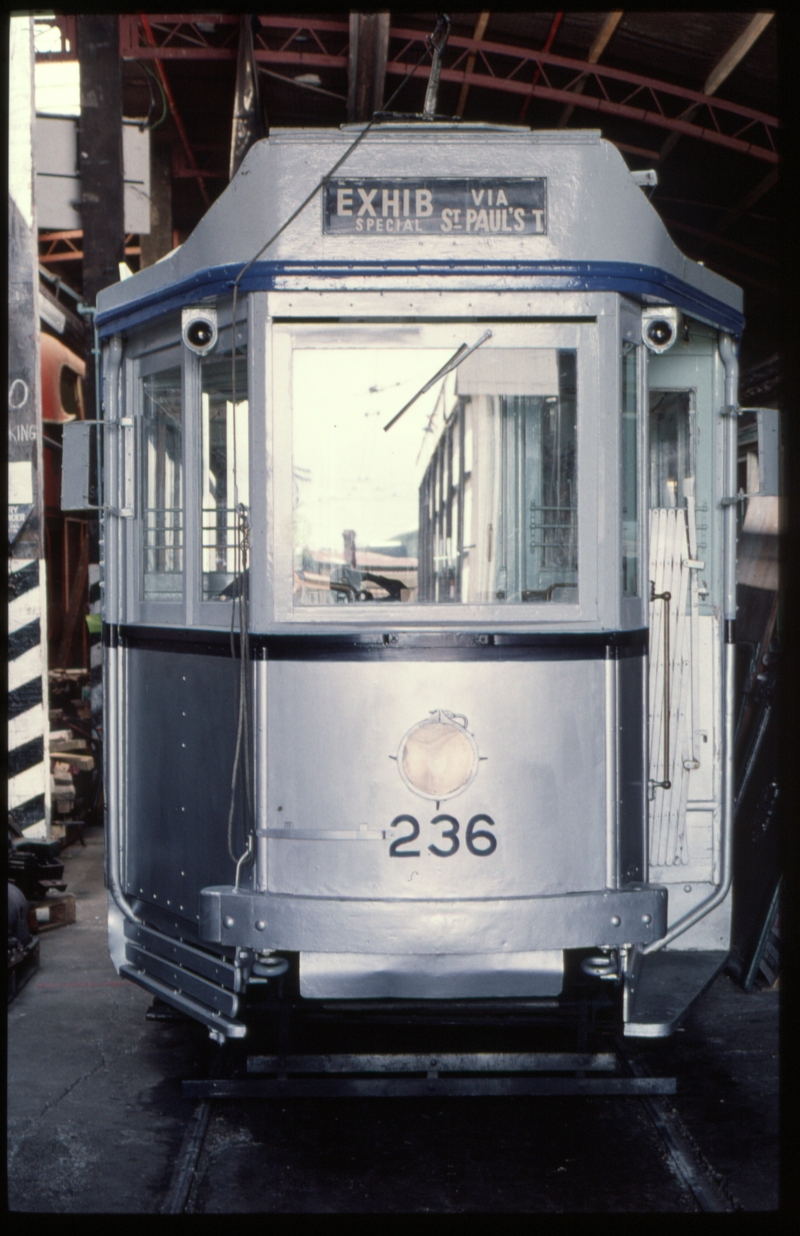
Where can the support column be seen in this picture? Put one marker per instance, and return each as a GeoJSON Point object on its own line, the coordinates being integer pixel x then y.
{"type": "Point", "coordinates": [159, 242]}
{"type": "Point", "coordinates": [369, 43]}
{"type": "Point", "coordinates": [103, 222]}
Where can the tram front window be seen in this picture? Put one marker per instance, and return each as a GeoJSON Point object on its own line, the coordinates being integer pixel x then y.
{"type": "Point", "coordinates": [470, 496]}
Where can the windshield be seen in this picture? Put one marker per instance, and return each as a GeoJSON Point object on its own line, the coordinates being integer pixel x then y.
{"type": "Point", "coordinates": [470, 496]}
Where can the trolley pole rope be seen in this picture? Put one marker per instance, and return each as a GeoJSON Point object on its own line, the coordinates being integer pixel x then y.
{"type": "Point", "coordinates": [243, 728]}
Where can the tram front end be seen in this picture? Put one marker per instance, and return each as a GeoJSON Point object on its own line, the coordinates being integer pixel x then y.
{"type": "Point", "coordinates": [418, 585]}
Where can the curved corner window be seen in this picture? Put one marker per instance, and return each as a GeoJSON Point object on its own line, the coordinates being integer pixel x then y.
{"type": "Point", "coordinates": [419, 478]}
{"type": "Point", "coordinates": [225, 471]}
{"type": "Point", "coordinates": [162, 481]}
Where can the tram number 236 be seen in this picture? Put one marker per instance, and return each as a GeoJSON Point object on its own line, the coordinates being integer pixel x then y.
{"type": "Point", "coordinates": [479, 841]}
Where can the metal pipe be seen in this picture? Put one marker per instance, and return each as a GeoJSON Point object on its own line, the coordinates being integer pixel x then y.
{"type": "Point", "coordinates": [437, 41]}
{"type": "Point", "coordinates": [727, 353]}
{"type": "Point", "coordinates": [666, 597]}
{"type": "Point", "coordinates": [612, 779]}
{"type": "Point", "coordinates": [111, 657]}
{"type": "Point", "coordinates": [261, 769]}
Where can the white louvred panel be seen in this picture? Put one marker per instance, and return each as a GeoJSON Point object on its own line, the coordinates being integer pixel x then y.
{"type": "Point", "coordinates": [669, 573]}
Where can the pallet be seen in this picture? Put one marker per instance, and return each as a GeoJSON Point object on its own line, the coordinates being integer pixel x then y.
{"type": "Point", "coordinates": [68, 831]}
{"type": "Point", "coordinates": [54, 912]}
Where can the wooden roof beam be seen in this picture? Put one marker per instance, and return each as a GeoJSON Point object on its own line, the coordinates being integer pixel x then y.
{"type": "Point", "coordinates": [595, 52]}
{"type": "Point", "coordinates": [731, 216]}
{"type": "Point", "coordinates": [366, 64]}
{"type": "Point", "coordinates": [548, 44]}
{"type": "Point", "coordinates": [737, 52]}
{"type": "Point", "coordinates": [723, 69]}
{"type": "Point", "coordinates": [480, 30]}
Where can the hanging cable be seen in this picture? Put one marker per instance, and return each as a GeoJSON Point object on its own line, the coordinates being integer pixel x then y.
{"type": "Point", "coordinates": [321, 184]}
{"type": "Point", "coordinates": [162, 92]}
{"type": "Point", "coordinates": [151, 79]}
{"type": "Point", "coordinates": [241, 589]}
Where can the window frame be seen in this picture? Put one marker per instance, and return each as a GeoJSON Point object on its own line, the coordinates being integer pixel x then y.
{"type": "Point", "coordinates": [581, 333]}
{"type": "Point", "coordinates": [166, 354]}
{"type": "Point", "coordinates": [200, 612]}
{"type": "Point", "coordinates": [161, 347]}
{"type": "Point", "coordinates": [634, 609]}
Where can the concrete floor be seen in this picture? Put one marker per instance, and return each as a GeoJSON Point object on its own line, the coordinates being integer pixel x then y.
{"type": "Point", "coordinates": [96, 1118]}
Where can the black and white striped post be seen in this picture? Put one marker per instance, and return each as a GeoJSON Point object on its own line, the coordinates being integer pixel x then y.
{"type": "Point", "coordinates": [28, 779]}
{"type": "Point", "coordinates": [28, 756]}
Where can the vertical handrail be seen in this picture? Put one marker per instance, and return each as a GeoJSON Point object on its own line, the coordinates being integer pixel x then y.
{"type": "Point", "coordinates": [666, 597]}
{"type": "Point", "coordinates": [111, 667]}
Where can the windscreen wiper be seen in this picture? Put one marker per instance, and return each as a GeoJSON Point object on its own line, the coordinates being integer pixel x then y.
{"type": "Point", "coordinates": [455, 360]}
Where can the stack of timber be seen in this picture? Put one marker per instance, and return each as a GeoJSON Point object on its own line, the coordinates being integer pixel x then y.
{"type": "Point", "coordinates": [72, 764]}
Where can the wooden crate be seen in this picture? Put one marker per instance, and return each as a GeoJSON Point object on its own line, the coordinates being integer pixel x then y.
{"type": "Point", "coordinates": [56, 911]}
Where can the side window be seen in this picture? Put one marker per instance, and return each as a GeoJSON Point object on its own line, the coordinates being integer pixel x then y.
{"type": "Point", "coordinates": [671, 447]}
{"type": "Point", "coordinates": [192, 470]}
{"type": "Point", "coordinates": [225, 470]}
{"type": "Point", "coordinates": [162, 486]}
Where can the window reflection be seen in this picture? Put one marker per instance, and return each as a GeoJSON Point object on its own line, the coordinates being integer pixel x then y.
{"type": "Point", "coordinates": [671, 461]}
{"type": "Point", "coordinates": [162, 484]}
{"type": "Point", "coordinates": [470, 497]}
{"type": "Point", "coordinates": [225, 475]}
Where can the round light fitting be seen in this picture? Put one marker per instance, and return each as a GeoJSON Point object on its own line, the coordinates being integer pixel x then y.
{"type": "Point", "coordinates": [438, 757]}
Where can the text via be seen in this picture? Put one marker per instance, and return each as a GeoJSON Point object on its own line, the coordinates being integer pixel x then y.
{"type": "Point", "coordinates": [502, 207]}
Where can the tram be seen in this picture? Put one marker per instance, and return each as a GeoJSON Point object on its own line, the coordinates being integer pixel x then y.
{"type": "Point", "coordinates": [419, 584]}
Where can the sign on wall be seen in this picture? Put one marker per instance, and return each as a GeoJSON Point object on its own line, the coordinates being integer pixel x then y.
{"type": "Point", "coordinates": [501, 206]}
{"type": "Point", "coordinates": [58, 182]}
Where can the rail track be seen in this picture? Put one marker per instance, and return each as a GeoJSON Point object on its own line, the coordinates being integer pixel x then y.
{"type": "Point", "coordinates": [619, 1076]}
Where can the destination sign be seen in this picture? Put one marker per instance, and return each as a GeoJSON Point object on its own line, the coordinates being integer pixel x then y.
{"type": "Point", "coordinates": [508, 206]}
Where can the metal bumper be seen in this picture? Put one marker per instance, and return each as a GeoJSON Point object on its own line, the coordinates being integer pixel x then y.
{"type": "Point", "coordinates": [517, 925]}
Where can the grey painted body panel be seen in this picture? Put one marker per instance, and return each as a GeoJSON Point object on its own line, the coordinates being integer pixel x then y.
{"type": "Point", "coordinates": [595, 210]}
{"type": "Point", "coordinates": [181, 733]}
{"type": "Point", "coordinates": [430, 976]}
{"type": "Point", "coordinates": [502, 925]}
{"type": "Point", "coordinates": [333, 729]}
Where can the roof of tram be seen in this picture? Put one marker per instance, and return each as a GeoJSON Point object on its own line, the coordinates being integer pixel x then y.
{"type": "Point", "coordinates": [694, 96]}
